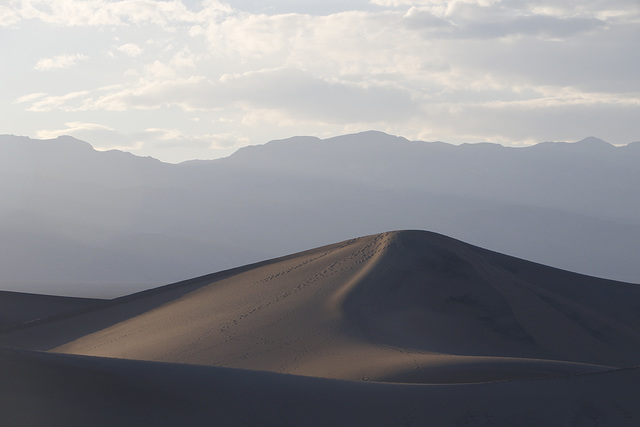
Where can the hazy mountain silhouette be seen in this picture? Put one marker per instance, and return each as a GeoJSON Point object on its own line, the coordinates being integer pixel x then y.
{"type": "Point", "coordinates": [73, 215]}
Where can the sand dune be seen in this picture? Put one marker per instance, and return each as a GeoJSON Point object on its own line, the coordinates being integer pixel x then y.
{"type": "Point", "coordinates": [44, 389]}
{"type": "Point", "coordinates": [394, 305]}
{"type": "Point", "coordinates": [20, 309]}
{"type": "Point", "coordinates": [398, 328]}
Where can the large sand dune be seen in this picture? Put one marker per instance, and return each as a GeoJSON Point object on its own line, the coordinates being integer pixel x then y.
{"type": "Point", "coordinates": [401, 307]}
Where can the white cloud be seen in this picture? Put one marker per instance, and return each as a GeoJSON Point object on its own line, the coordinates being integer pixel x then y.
{"type": "Point", "coordinates": [8, 16]}
{"type": "Point", "coordinates": [538, 121]}
{"type": "Point", "coordinates": [434, 3]}
{"type": "Point", "coordinates": [157, 70]}
{"type": "Point", "coordinates": [58, 102]}
{"type": "Point", "coordinates": [182, 144]}
{"type": "Point", "coordinates": [175, 137]}
{"type": "Point", "coordinates": [72, 128]}
{"type": "Point", "coordinates": [299, 94]}
{"type": "Point", "coordinates": [304, 95]}
{"type": "Point", "coordinates": [30, 97]}
{"type": "Point", "coordinates": [164, 134]}
{"type": "Point", "coordinates": [228, 140]}
{"type": "Point", "coordinates": [184, 59]}
{"type": "Point", "coordinates": [425, 18]}
{"type": "Point", "coordinates": [59, 62]}
{"type": "Point", "coordinates": [102, 137]}
{"type": "Point", "coordinates": [547, 27]}
{"type": "Point", "coordinates": [113, 13]}
{"type": "Point", "coordinates": [130, 49]}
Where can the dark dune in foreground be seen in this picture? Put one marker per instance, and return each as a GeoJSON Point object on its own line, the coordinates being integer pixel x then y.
{"type": "Point", "coordinates": [467, 337]}
{"type": "Point", "coordinates": [42, 389]}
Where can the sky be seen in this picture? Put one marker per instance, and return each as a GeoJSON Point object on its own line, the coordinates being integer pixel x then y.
{"type": "Point", "coordinates": [186, 79]}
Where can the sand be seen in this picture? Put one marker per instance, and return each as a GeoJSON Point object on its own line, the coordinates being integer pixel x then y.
{"type": "Point", "coordinates": [44, 389]}
{"type": "Point", "coordinates": [400, 328]}
{"type": "Point", "coordinates": [21, 309]}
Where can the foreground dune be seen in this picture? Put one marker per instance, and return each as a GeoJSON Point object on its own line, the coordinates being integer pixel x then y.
{"type": "Point", "coordinates": [43, 389]}
{"type": "Point", "coordinates": [401, 307]}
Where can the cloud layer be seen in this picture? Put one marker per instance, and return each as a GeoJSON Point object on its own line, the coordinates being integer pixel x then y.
{"type": "Point", "coordinates": [463, 70]}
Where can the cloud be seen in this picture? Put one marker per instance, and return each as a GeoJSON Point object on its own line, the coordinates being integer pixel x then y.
{"type": "Point", "coordinates": [30, 97]}
{"type": "Point", "coordinates": [168, 138]}
{"type": "Point", "coordinates": [162, 91]}
{"type": "Point", "coordinates": [620, 10]}
{"type": "Point", "coordinates": [596, 62]}
{"type": "Point", "coordinates": [536, 25]}
{"type": "Point", "coordinates": [59, 102]}
{"type": "Point", "coordinates": [228, 140]}
{"type": "Point", "coordinates": [59, 62]}
{"type": "Point", "coordinates": [307, 96]}
{"type": "Point", "coordinates": [8, 16]}
{"type": "Point", "coordinates": [130, 49]}
{"type": "Point", "coordinates": [424, 18]}
{"type": "Point", "coordinates": [102, 137]}
{"type": "Point", "coordinates": [298, 93]}
{"type": "Point", "coordinates": [535, 121]}
{"type": "Point", "coordinates": [71, 128]}
{"type": "Point", "coordinates": [113, 13]}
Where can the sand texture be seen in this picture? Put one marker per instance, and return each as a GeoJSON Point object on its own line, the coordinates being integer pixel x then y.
{"type": "Point", "coordinates": [400, 328]}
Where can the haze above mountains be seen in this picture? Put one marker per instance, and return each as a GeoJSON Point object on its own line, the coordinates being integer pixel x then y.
{"type": "Point", "coordinates": [81, 222]}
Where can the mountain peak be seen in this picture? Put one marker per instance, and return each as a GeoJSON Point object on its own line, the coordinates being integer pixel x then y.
{"type": "Point", "coordinates": [45, 150]}
{"type": "Point", "coordinates": [592, 141]}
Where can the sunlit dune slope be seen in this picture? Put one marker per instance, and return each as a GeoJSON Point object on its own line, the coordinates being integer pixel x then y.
{"type": "Point", "coordinates": [406, 306]}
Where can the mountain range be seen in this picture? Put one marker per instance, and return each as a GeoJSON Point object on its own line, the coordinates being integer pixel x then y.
{"type": "Point", "coordinates": [76, 221]}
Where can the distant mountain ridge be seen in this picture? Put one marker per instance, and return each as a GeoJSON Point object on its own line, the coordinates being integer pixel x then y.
{"type": "Point", "coordinates": [70, 214]}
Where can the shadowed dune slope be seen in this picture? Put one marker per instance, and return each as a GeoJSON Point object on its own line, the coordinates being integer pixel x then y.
{"type": "Point", "coordinates": [44, 389]}
{"type": "Point", "coordinates": [407, 306]}
{"type": "Point", "coordinates": [17, 308]}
